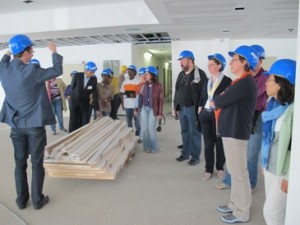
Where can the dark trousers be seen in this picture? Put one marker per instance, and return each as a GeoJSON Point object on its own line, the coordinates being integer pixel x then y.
{"type": "Point", "coordinates": [208, 127]}
{"type": "Point", "coordinates": [115, 104]}
{"type": "Point", "coordinates": [92, 111]}
{"type": "Point", "coordinates": [79, 116]}
{"type": "Point", "coordinates": [29, 141]}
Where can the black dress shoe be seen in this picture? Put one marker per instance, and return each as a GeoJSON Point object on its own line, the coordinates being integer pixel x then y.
{"type": "Point", "coordinates": [180, 146]}
{"type": "Point", "coordinates": [21, 206]}
{"type": "Point", "coordinates": [193, 162]}
{"type": "Point", "coordinates": [44, 202]}
{"type": "Point", "coordinates": [181, 158]}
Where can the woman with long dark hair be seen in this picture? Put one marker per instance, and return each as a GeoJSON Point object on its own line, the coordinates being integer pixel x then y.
{"type": "Point", "coordinates": [277, 137]}
{"type": "Point", "coordinates": [151, 107]}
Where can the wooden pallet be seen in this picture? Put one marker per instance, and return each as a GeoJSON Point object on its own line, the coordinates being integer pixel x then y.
{"type": "Point", "coordinates": [98, 150]}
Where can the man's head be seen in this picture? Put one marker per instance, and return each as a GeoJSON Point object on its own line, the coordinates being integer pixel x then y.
{"type": "Point", "coordinates": [187, 59]}
{"type": "Point", "coordinates": [20, 46]}
{"type": "Point", "coordinates": [106, 75]}
{"type": "Point", "coordinates": [131, 70]}
{"type": "Point", "coordinates": [260, 51]}
{"type": "Point", "coordinates": [90, 69]}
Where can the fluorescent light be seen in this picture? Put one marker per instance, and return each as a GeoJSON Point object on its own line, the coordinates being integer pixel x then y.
{"type": "Point", "coordinates": [148, 55]}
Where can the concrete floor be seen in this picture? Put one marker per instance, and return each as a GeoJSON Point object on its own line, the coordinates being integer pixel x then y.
{"type": "Point", "coordinates": [152, 189]}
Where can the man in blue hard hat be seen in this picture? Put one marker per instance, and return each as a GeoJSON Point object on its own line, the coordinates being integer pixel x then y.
{"type": "Point", "coordinates": [129, 90]}
{"type": "Point", "coordinates": [188, 89]}
{"type": "Point", "coordinates": [83, 86]}
{"type": "Point", "coordinates": [27, 110]}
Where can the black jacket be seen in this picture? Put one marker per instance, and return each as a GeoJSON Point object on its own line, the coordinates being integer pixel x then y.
{"type": "Point", "coordinates": [195, 88]}
{"type": "Point", "coordinates": [226, 81]}
{"type": "Point", "coordinates": [237, 105]}
{"type": "Point", "coordinates": [81, 96]}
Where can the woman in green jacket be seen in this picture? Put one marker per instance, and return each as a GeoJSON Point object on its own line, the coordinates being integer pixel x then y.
{"type": "Point", "coordinates": [277, 136]}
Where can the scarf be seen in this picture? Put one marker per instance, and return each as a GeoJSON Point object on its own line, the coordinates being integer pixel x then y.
{"type": "Point", "coordinates": [274, 110]}
{"type": "Point", "coordinates": [212, 86]}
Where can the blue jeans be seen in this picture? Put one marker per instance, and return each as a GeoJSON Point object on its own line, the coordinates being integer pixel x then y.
{"type": "Point", "coordinates": [29, 141]}
{"type": "Point", "coordinates": [149, 129]}
{"type": "Point", "coordinates": [137, 124]}
{"type": "Point", "coordinates": [254, 148]}
{"type": "Point", "coordinates": [191, 137]}
{"type": "Point", "coordinates": [105, 113]}
{"type": "Point", "coordinates": [57, 110]}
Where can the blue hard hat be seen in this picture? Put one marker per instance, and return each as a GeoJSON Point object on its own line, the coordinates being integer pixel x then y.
{"type": "Point", "coordinates": [18, 43]}
{"type": "Point", "coordinates": [186, 54]}
{"type": "Point", "coordinates": [106, 72]}
{"type": "Point", "coordinates": [34, 61]}
{"type": "Point", "coordinates": [260, 51]}
{"type": "Point", "coordinates": [248, 53]}
{"type": "Point", "coordinates": [142, 71]}
{"type": "Point", "coordinates": [91, 66]}
{"type": "Point", "coordinates": [73, 72]}
{"type": "Point", "coordinates": [131, 67]}
{"type": "Point", "coordinates": [220, 58]}
{"type": "Point", "coordinates": [111, 71]}
{"type": "Point", "coordinates": [285, 68]}
{"type": "Point", "coordinates": [152, 70]}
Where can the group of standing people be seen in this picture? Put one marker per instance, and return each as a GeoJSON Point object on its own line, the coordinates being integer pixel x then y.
{"type": "Point", "coordinates": [236, 119]}
{"type": "Point", "coordinates": [233, 116]}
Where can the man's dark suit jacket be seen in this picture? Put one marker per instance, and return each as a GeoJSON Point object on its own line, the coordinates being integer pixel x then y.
{"type": "Point", "coordinates": [80, 96]}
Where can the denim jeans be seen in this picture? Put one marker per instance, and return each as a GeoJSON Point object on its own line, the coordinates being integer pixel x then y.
{"type": "Point", "coordinates": [129, 116]}
{"type": "Point", "coordinates": [149, 129]}
{"type": "Point", "coordinates": [29, 141]}
{"type": "Point", "coordinates": [105, 113]}
{"type": "Point", "coordinates": [57, 110]}
{"type": "Point", "coordinates": [254, 148]}
{"type": "Point", "coordinates": [191, 137]}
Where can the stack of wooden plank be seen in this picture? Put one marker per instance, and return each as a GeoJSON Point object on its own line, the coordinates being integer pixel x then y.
{"type": "Point", "coordinates": [96, 151]}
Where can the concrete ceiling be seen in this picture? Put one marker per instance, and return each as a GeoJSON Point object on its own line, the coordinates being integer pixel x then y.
{"type": "Point", "coordinates": [173, 19]}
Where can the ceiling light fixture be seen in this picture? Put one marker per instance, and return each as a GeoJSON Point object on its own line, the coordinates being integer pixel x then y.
{"type": "Point", "coordinates": [239, 8]}
{"type": "Point", "coordinates": [148, 55]}
{"type": "Point", "coordinates": [27, 1]}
